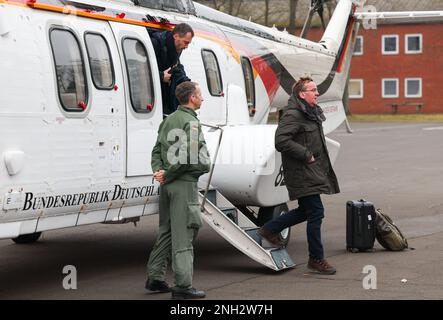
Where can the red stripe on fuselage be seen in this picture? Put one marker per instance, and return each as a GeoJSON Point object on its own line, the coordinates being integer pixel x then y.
{"type": "Point", "coordinates": [345, 48]}
{"type": "Point", "coordinates": [267, 75]}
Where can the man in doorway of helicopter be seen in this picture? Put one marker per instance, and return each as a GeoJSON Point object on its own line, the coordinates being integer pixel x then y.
{"type": "Point", "coordinates": [168, 47]}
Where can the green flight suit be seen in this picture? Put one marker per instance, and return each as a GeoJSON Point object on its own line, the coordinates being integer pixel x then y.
{"type": "Point", "coordinates": [181, 151]}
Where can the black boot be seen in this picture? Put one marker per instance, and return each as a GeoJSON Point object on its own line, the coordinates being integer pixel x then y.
{"type": "Point", "coordinates": [188, 293]}
{"type": "Point", "coordinates": [157, 286]}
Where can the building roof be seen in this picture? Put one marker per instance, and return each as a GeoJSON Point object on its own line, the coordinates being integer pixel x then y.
{"type": "Point", "coordinates": [406, 5]}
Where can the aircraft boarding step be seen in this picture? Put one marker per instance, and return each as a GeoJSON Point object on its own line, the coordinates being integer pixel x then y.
{"type": "Point", "coordinates": [238, 230]}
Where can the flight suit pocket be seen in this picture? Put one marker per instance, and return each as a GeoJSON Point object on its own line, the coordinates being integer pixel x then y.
{"type": "Point", "coordinates": [194, 218]}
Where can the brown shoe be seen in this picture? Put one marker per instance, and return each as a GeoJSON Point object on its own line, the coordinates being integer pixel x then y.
{"type": "Point", "coordinates": [320, 266]}
{"type": "Point", "coordinates": [272, 238]}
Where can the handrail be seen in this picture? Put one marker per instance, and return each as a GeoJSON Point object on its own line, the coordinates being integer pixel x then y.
{"type": "Point", "coordinates": [213, 163]}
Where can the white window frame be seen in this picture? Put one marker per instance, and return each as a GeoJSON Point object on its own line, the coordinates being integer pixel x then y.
{"type": "Point", "coordinates": [419, 95]}
{"type": "Point", "coordinates": [407, 36]}
{"type": "Point", "coordinates": [359, 53]}
{"type": "Point", "coordinates": [383, 44]}
{"type": "Point", "coordinates": [383, 88]}
{"type": "Point", "coordinates": [217, 73]}
{"type": "Point", "coordinates": [361, 89]}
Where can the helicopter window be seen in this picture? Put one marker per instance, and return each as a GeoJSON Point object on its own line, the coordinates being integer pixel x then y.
{"type": "Point", "coordinates": [139, 75]}
{"type": "Point", "coordinates": [213, 76]}
{"type": "Point", "coordinates": [249, 84]}
{"type": "Point", "coordinates": [100, 61]}
{"type": "Point", "coordinates": [70, 70]}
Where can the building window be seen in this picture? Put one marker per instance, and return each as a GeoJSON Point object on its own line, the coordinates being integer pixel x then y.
{"type": "Point", "coordinates": [413, 43]}
{"type": "Point", "coordinates": [389, 44]}
{"type": "Point", "coordinates": [413, 88]}
{"type": "Point", "coordinates": [358, 47]}
{"type": "Point", "coordinates": [69, 69]}
{"type": "Point", "coordinates": [249, 84]}
{"type": "Point", "coordinates": [355, 88]}
{"type": "Point", "coordinates": [390, 88]}
{"type": "Point", "coordinates": [100, 61]}
{"type": "Point", "coordinates": [139, 75]}
{"type": "Point", "coordinates": [213, 76]}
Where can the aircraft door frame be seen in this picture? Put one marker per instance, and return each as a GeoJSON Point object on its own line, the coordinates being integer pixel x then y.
{"type": "Point", "coordinates": [93, 135]}
{"type": "Point", "coordinates": [214, 100]}
{"type": "Point", "coordinates": [213, 110]}
{"type": "Point", "coordinates": [107, 105]}
{"type": "Point", "coordinates": [141, 127]}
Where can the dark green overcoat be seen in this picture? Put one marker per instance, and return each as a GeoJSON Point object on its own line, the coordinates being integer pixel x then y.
{"type": "Point", "coordinates": [299, 135]}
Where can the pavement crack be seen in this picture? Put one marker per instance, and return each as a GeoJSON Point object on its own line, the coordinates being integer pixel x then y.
{"type": "Point", "coordinates": [234, 282]}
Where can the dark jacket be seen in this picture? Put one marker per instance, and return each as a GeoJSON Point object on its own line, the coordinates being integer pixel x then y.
{"type": "Point", "coordinates": [299, 135]}
{"type": "Point", "coordinates": [178, 75]}
{"type": "Point", "coordinates": [195, 161]}
{"type": "Point", "coordinates": [167, 57]}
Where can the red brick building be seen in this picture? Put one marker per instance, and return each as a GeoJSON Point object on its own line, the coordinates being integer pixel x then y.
{"type": "Point", "coordinates": [398, 64]}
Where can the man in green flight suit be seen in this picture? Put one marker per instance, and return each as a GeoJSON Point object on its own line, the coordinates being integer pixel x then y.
{"type": "Point", "coordinates": [179, 158]}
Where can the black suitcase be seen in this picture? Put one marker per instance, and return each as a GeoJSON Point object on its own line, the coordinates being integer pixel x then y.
{"type": "Point", "coordinates": [360, 225]}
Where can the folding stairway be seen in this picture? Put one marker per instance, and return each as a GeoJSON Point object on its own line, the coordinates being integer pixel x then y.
{"type": "Point", "coordinates": [238, 230]}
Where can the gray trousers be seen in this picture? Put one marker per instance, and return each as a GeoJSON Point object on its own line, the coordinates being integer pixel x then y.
{"type": "Point", "coordinates": [178, 227]}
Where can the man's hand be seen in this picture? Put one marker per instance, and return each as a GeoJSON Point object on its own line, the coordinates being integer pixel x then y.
{"type": "Point", "coordinates": [160, 176]}
{"type": "Point", "coordinates": [312, 160]}
{"type": "Point", "coordinates": [167, 75]}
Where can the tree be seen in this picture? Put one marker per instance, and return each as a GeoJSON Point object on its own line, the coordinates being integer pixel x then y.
{"type": "Point", "coordinates": [229, 6]}
{"type": "Point", "coordinates": [267, 12]}
{"type": "Point", "coordinates": [292, 11]}
{"type": "Point", "coordinates": [218, 4]}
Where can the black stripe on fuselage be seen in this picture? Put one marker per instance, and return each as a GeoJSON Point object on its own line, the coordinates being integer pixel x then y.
{"type": "Point", "coordinates": [287, 80]}
{"type": "Point", "coordinates": [324, 86]}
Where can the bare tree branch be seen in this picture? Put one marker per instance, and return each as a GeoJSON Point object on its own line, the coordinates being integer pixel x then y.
{"type": "Point", "coordinates": [237, 12]}
{"type": "Point", "coordinates": [292, 14]}
{"type": "Point", "coordinates": [267, 12]}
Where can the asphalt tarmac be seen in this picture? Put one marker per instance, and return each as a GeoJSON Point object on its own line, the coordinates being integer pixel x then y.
{"type": "Point", "coordinates": [399, 167]}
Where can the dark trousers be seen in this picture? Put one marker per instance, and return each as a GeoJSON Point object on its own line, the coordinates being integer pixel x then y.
{"type": "Point", "coordinates": [310, 209]}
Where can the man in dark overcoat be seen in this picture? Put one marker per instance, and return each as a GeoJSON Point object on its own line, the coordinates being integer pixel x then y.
{"type": "Point", "coordinates": [307, 170]}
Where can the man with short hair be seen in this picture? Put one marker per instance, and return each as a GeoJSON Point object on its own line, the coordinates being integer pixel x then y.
{"type": "Point", "coordinates": [307, 170]}
{"type": "Point", "coordinates": [179, 158]}
{"type": "Point", "coordinates": [168, 46]}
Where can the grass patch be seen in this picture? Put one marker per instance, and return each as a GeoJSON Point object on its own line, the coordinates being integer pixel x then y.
{"type": "Point", "coordinates": [396, 118]}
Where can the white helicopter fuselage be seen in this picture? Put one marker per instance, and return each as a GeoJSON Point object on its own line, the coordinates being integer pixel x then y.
{"type": "Point", "coordinates": [62, 167]}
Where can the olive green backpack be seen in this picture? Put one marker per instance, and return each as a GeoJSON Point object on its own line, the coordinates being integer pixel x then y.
{"type": "Point", "coordinates": [388, 234]}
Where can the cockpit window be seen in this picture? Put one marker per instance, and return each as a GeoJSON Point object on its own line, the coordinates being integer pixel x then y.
{"type": "Point", "coordinates": [183, 6]}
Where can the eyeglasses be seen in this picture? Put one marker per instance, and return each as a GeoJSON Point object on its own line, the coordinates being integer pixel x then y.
{"type": "Point", "coordinates": [312, 90]}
